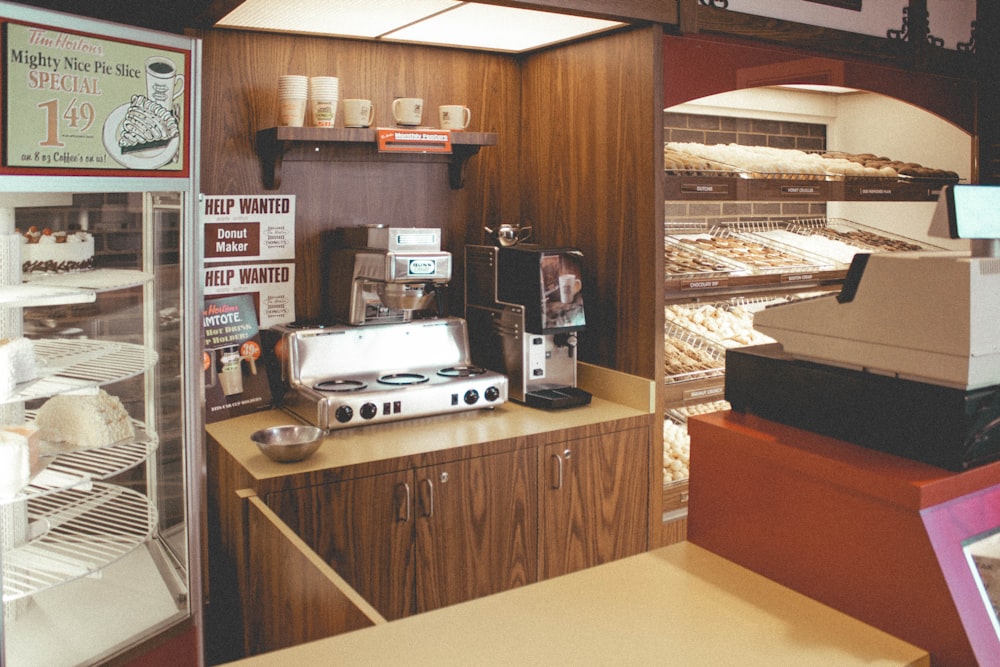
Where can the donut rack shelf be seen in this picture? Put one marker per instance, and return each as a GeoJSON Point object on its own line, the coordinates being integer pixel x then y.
{"type": "Point", "coordinates": [75, 533]}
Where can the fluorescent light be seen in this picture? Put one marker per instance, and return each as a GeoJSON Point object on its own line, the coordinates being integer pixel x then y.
{"type": "Point", "coordinates": [342, 18]}
{"type": "Point", "coordinates": [498, 28]}
{"type": "Point", "coordinates": [819, 88]}
{"type": "Point", "coordinates": [439, 22]}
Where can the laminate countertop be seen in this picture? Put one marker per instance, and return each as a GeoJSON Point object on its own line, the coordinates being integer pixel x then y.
{"type": "Point", "coordinates": [677, 605]}
{"type": "Point", "coordinates": [616, 397]}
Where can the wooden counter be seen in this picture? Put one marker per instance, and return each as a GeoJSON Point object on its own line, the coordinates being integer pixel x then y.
{"type": "Point", "coordinates": [392, 446]}
{"type": "Point", "coordinates": [419, 514]}
{"type": "Point", "coordinates": [678, 605]}
{"type": "Point", "coordinates": [871, 534]}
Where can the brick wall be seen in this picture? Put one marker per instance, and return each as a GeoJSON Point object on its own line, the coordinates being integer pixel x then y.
{"type": "Point", "coordinates": [704, 129]}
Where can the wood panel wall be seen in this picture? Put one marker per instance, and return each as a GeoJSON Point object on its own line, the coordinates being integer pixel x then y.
{"type": "Point", "coordinates": [350, 186]}
{"type": "Point", "coordinates": [591, 178]}
{"type": "Point", "coordinates": [576, 159]}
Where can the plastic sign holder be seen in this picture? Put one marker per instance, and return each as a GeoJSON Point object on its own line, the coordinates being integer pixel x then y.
{"type": "Point", "coordinates": [416, 140]}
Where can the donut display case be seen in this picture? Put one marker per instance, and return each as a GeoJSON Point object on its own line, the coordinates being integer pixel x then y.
{"type": "Point", "coordinates": [779, 167]}
{"type": "Point", "coordinates": [100, 429]}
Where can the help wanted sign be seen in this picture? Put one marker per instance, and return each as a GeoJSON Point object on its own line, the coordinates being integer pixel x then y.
{"type": "Point", "coordinates": [250, 249]}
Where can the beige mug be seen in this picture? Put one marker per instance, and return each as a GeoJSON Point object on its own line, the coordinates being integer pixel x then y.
{"type": "Point", "coordinates": [454, 116]}
{"type": "Point", "coordinates": [358, 113]}
{"type": "Point", "coordinates": [407, 110]}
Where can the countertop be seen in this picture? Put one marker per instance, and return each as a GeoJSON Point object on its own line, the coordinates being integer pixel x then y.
{"type": "Point", "coordinates": [678, 605]}
{"type": "Point", "coordinates": [617, 396]}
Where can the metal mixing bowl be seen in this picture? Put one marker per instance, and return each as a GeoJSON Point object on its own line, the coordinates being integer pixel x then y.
{"type": "Point", "coordinates": [285, 444]}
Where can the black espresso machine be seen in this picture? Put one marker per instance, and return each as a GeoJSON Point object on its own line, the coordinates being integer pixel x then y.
{"type": "Point", "coordinates": [524, 308]}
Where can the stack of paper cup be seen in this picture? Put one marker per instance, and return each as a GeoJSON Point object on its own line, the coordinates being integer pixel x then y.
{"type": "Point", "coordinates": [323, 94]}
{"type": "Point", "coordinates": [293, 91]}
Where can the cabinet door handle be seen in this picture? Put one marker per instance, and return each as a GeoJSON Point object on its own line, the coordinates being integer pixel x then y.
{"type": "Point", "coordinates": [559, 461]}
{"type": "Point", "coordinates": [403, 502]}
{"type": "Point", "coordinates": [427, 497]}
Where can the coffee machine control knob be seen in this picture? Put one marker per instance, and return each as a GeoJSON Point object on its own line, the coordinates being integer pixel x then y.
{"type": "Point", "coordinates": [368, 411]}
{"type": "Point", "coordinates": [491, 394]}
{"type": "Point", "coordinates": [471, 397]}
{"type": "Point", "coordinates": [344, 414]}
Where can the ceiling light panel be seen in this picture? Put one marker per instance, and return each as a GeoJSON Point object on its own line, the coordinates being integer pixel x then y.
{"type": "Point", "coordinates": [498, 28]}
{"type": "Point", "coordinates": [344, 18]}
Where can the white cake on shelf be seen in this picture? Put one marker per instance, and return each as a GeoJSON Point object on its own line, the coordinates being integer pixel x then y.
{"type": "Point", "coordinates": [84, 421]}
{"type": "Point", "coordinates": [46, 251]}
{"type": "Point", "coordinates": [17, 364]}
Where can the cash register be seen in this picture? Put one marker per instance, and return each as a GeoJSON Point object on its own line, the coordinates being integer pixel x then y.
{"type": "Point", "coordinates": [905, 358]}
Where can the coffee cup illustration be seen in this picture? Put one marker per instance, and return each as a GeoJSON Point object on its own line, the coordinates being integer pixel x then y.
{"type": "Point", "coordinates": [163, 83]}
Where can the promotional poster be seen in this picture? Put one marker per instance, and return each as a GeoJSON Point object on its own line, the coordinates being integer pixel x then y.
{"type": "Point", "coordinates": [83, 103]}
{"type": "Point", "coordinates": [249, 285]}
{"type": "Point", "coordinates": [235, 378]}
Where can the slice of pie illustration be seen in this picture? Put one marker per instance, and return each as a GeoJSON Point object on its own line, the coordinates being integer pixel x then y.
{"type": "Point", "coordinates": [146, 125]}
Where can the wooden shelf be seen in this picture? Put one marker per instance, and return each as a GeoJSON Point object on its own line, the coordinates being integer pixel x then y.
{"type": "Point", "coordinates": [275, 144]}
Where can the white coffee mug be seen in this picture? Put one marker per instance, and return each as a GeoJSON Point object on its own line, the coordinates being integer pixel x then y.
{"type": "Point", "coordinates": [358, 113]}
{"type": "Point", "coordinates": [408, 110]}
{"type": "Point", "coordinates": [163, 82]}
{"type": "Point", "coordinates": [454, 116]}
{"type": "Point", "coordinates": [569, 285]}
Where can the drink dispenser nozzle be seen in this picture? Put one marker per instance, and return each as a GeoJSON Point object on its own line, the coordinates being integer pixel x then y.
{"type": "Point", "coordinates": [565, 339]}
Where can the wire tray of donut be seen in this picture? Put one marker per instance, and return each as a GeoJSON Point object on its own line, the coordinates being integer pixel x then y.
{"type": "Point", "coordinates": [725, 323]}
{"type": "Point", "coordinates": [683, 257]}
{"type": "Point", "coordinates": [754, 256]}
{"type": "Point", "coordinates": [835, 239]}
{"type": "Point", "coordinates": [688, 356]}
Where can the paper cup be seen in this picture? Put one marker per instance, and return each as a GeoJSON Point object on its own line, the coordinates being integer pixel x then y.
{"type": "Point", "coordinates": [292, 111]}
{"type": "Point", "coordinates": [293, 91]}
{"type": "Point", "coordinates": [323, 112]}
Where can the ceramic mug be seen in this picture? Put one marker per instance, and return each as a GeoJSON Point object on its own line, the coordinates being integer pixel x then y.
{"type": "Point", "coordinates": [408, 110]}
{"type": "Point", "coordinates": [454, 116]}
{"type": "Point", "coordinates": [358, 113]}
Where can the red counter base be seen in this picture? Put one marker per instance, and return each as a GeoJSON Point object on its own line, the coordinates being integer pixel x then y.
{"type": "Point", "coordinates": [873, 535]}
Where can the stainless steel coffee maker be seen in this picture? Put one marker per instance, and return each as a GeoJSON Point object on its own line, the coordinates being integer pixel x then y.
{"type": "Point", "coordinates": [379, 275]}
{"type": "Point", "coordinates": [524, 308]}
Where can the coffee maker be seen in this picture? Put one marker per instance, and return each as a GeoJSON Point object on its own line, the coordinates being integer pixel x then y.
{"type": "Point", "coordinates": [380, 275]}
{"type": "Point", "coordinates": [524, 308]}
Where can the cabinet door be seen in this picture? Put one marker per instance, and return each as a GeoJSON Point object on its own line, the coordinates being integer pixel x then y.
{"type": "Point", "coordinates": [364, 529]}
{"type": "Point", "coordinates": [476, 528]}
{"type": "Point", "coordinates": [593, 501]}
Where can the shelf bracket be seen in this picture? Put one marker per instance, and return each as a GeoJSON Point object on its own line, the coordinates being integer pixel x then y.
{"type": "Point", "coordinates": [456, 166]}
{"type": "Point", "coordinates": [270, 151]}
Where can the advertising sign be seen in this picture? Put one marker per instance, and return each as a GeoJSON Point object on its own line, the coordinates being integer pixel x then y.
{"type": "Point", "coordinates": [249, 285]}
{"type": "Point", "coordinates": [78, 104]}
{"type": "Point", "coordinates": [235, 381]}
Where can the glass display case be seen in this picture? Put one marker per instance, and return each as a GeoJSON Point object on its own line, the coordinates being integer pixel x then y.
{"type": "Point", "coordinates": [100, 416]}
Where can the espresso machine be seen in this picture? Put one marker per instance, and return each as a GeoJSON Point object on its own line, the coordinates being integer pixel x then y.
{"type": "Point", "coordinates": [524, 308]}
{"type": "Point", "coordinates": [381, 275]}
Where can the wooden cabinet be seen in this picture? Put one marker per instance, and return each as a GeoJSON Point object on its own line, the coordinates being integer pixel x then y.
{"type": "Point", "coordinates": [427, 537]}
{"type": "Point", "coordinates": [592, 501]}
